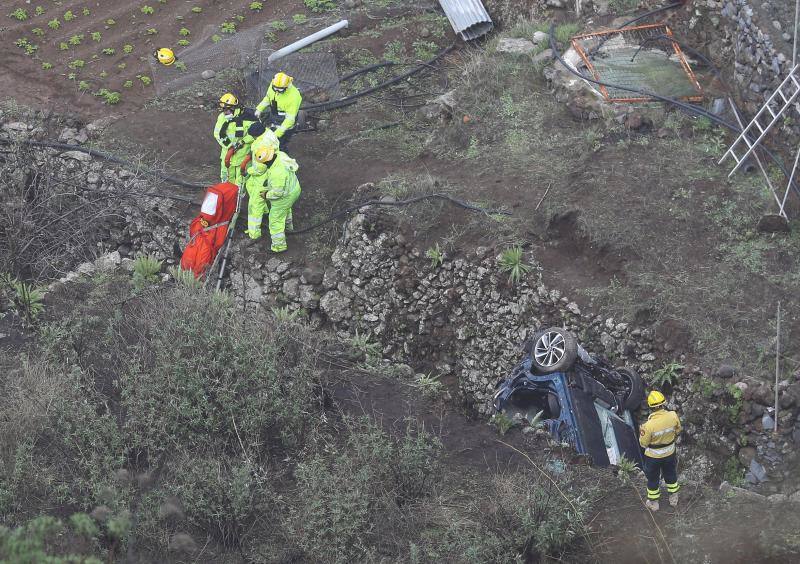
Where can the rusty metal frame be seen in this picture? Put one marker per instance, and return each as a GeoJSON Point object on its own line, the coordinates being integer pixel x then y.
{"type": "Point", "coordinates": [667, 32]}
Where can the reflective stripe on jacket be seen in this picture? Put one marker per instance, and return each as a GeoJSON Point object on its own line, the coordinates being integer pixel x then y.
{"type": "Point", "coordinates": [229, 131]}
{"type": "Point", "coordinates": [657, 435]}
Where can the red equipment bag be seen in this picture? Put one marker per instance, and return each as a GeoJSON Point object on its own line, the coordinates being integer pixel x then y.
{"type": "Point", "coordinates": [208, 231]}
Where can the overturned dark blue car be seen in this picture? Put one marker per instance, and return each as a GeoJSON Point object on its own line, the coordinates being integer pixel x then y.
{"type": "Point", "coordinates": [581, 399]}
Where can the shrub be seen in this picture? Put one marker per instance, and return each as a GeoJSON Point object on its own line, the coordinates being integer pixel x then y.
{"type": "Point", "coordinates": [428, 384]}
{"type": "Point", "coordinates": [511, 262]}
{"type": "Point", "coordinates": [34, 541]}
{"type": "Point", "coordinates": [145, 271]}
{"type": "Point", "coordinates": [502, 422]}
{"type": "Point", "coordinates": [436, 255]}
{"type": "Point", "coordinates": [24, 298]}
{"type": "Point", "coordinates": [667, 375]}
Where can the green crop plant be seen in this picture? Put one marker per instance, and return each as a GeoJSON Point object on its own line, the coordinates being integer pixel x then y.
{"type": "Point", "coordinates": [38, 11]}
{"type": "Point", "coordinates": [180, 65]}
{"type": "Point", "coordinates": [127, 84]}
{"type": "Point", "coordinates": [625, 467]}
{"type": "Point", "coordinates": [85, 11]}
{"type": "Point", "coordinates": [19, 14]}
{"type": "Point", "coordinates": [197, 10]}
{"type": "Point", "coordinates": [54, 24]}
{"type": "Point", "coordinates": [111, 98]}
{"type": "Point", "coordinates": [228, 27]}
{"type": "Point", "coordinates": [299, 19]}
{"type": "Point", "coordinates": [425, 50]}
{"type": "Point", "coordinates": [184, 32]}
{"type": "Point", "coordinates": [668, 374]}
{"type": "Point", "coordinates": [436, 255]}
{"type": "Point", "coordinates": [69, 16]}
{"type": "Point", "coordinates": [147, 10]}
{"type": "Point", "coordinates": [95, 35]}
{"type": "Point", "coordinates": [256, 6]}
{"type": "Point", "coordinates": [183, 42]}
{"type": "Point", "coordinates": [76, 39]}
{"type": "Point", "coordinates": [152, 31]}
{"type": "Point", "coordinates": [320, 5]}
{"type": "Point", "coordinates": [239, 18]}
{"type": "Point", "coordinates": [279, 25]}
{"type": "Point", "coordinates": [63, 46]}
{"type": "Point", "coordinates": [103, 74]}
{"type": "Point", "coordinates": [511, 263]}
{"type": "Point", "coordinates": [47, 66]}
{"type": "Point", "coordinates": [216, 38]}
{"type": "Point", "coordinates": [110, 22]}
{"type": "Point", "coordinates": [146, 80]}
{"type": "Point", "coordinates": [122, 66]}
{"type": "Point", "coordinates": [109, 51]}
{"type": "Point", "coordinates": [127, 49]}
{"type": "Point", "coordinates": [37, 31]}
{"type": "Point", "coordinates": [83, 86]}
{"type": "Point", "coordinates": [76, 64]}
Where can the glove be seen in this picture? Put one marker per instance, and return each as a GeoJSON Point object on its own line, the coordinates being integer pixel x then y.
{"type": "Point", "coordinates": [258, 114]}
{"type": "Point", "coordinates": [228, 117]}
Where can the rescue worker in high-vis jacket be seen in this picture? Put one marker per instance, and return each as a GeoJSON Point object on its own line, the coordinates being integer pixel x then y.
{"type": "Point", "coordinates": [232, 133]}
{"type": "Point", "coordinates": [272, 186]}
{"type": "Point", "coordinates": [283, 101]}
{"type": "Point", "coordinates": [657, 436]}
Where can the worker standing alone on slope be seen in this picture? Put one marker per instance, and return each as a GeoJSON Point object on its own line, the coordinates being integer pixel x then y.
{"type": "Point", "coordinates": [657, 436]}
{"type": "Point", "coordinates": [232, 132]}
{"type": "Point", "coordinates": [283, 101]}
{"type": "Point", "coordinates": [272, 186]}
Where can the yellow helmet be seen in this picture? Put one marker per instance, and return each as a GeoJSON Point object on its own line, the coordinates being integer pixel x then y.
{"type": "Point", "coordinates": [656, 399]}
{"type": "Point", "coordinates": [228, 100]}
{"type": "Point", "coordinates": [264, 154]}
{"type": "Point", "coordinates": [165, 56]}
{"type": "Point", "coordinates": [281, 81]}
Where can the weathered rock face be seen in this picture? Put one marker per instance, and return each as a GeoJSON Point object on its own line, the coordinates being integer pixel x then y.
{"type": "Point", "coordinates": [462, 318]}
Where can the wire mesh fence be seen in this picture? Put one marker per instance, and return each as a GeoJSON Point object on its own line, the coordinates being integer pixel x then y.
{"type": "Point", "coordinates": [645, 58]}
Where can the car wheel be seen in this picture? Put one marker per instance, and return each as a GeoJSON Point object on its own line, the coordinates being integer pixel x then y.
{"type": "Point", "coordinates": [554, 350]}
{"type": "Point", "coordinates": [635, 395]}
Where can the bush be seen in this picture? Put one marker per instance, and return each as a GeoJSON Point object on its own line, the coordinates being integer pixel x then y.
{"type": "Point", "coordinates": [511, 263]}
{"type": "Point", "coordinates": [145, 271]}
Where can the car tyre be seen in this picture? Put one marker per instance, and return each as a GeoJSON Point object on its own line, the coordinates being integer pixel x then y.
{"type": "Point", "coordinates": [635, 396]}
{"type": "Point", "coordinates": [553, 350]}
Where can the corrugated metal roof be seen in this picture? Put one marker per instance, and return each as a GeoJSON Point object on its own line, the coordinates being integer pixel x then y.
{"type": "Point", "coordinates": [468, 18]}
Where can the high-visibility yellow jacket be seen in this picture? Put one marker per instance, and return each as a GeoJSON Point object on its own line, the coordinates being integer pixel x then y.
{"type": "Point", "coordinates": [657, 435]}
{"type": "Point", "coordinates": [283, 105]}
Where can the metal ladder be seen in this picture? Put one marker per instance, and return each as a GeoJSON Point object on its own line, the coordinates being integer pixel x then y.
{"type": "Point", "coordinates": [785, 95]}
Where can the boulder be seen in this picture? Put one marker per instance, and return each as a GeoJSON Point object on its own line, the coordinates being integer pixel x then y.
{"type": "Point", "coordinates": [336, 306]}
{"type": "Point", "coordinates": [773, 223]}
{"type": "Point", "coordinates": [540, 37]}
{"type": "Point", "coordinates": [515, 46]}
{"type": "Point", "coordinates": [208, 74]}
{"type": "Point", "coordinates": [725, 371]}
{"type": "Point", "coordinates": [542, 58]}
{"type": "Point", "coordinates": [76, 156]}
{"type": "Point", "coordinates": [746, 455]}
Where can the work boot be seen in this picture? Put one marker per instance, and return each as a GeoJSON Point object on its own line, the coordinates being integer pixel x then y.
{"type": "Point", "coordinates": [673, 500]}
{"type": "Point", "coordinates": [651, 504]}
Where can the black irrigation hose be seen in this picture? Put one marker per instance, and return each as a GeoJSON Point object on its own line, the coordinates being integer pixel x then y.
{"type": "Point", "coordinates": [352, 98]}
{"type": "Point", "coordinates": [678, 103]}
{"type": "Point", "coordinates": [445, 197]}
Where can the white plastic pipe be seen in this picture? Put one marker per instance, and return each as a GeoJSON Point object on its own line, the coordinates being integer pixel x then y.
{"type": "Point", "coordinates": [306, 41]}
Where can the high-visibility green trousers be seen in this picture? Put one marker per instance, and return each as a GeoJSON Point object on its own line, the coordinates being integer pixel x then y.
{"type": "Point", "coordinates": [280, 218]}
